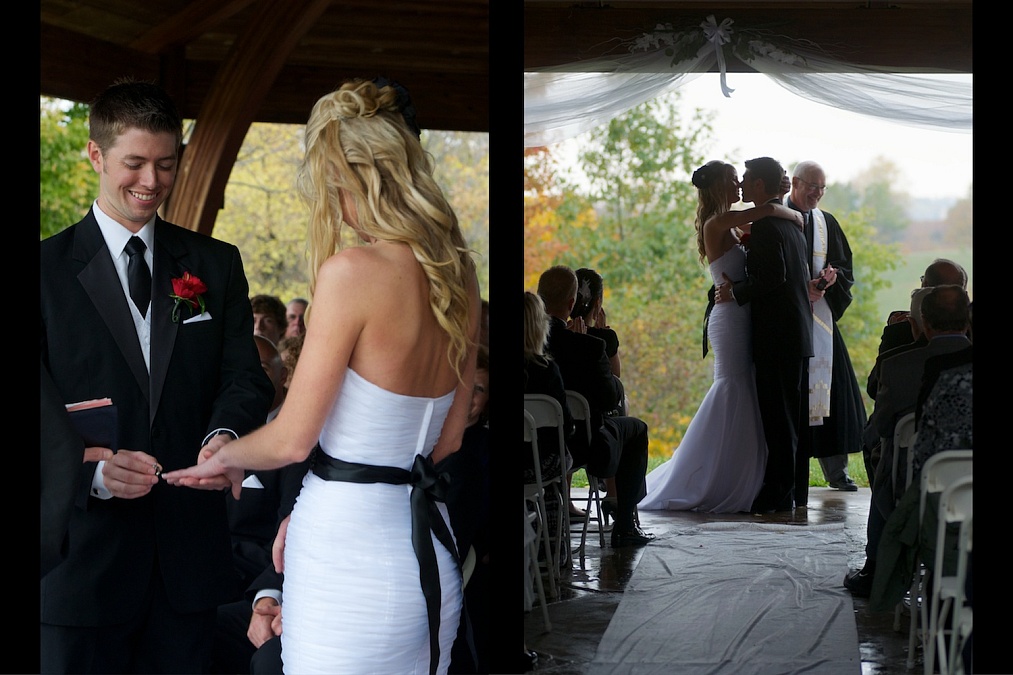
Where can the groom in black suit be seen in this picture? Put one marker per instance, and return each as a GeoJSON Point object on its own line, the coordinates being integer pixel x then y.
{"type": "Point", "coordinates": [777, 285]}
{"type": "Point", "coordinates": [148, 563]}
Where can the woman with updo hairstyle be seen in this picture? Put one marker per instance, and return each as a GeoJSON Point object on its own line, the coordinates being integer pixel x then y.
{"type": "Point", "coordinates": [383, 391]}
{"type": "Point", "coordinates": [589, 308]}
{"type": "Point", "coordinates": [718, 466]}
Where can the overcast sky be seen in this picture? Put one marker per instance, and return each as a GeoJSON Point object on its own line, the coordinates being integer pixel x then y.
{"type": "Point", "coordinates": [762, 118]}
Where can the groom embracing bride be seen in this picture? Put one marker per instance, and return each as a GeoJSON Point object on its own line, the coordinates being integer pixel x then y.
{"type": "Point", "coordinates": [777, 285]}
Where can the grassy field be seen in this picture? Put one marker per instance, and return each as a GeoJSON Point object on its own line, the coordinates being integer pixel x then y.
{"type": "Point", "coordinates": [906, 277]}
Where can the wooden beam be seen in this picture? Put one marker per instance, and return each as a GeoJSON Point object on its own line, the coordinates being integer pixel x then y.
{"type": "Point", "coordinates": [79, 68]}
{"type": "Point", "coordinates": [924, 39]}
{"type": "Point", "coordinates": [239, 88]}
{"type": "Point", "coordinates": [188, 24]}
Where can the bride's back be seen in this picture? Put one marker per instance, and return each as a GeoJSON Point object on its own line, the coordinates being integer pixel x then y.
{"type": "Point", "coordinates": [402, 347]}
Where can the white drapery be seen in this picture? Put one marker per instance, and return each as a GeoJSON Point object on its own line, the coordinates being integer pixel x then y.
{"type": "Point", "coordinates": [567, 100]}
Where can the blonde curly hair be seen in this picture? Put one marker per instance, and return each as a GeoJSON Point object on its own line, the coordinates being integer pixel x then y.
{"type": "Point", "coordinates": [358, 142]}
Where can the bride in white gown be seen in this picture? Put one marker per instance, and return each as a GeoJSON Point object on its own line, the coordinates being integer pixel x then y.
{"type": "Point", "coordinates": [718, 467]}
{"type": "Point", "coordinates": [383, 385]}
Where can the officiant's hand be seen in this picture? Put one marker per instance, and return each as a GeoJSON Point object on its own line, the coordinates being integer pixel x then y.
{"type": "Point", "coordinates": [266, 614]}
{"type": "Point", "coordinates": [129, 474]}
{"type": "Point", "coordinates": [723, 291]}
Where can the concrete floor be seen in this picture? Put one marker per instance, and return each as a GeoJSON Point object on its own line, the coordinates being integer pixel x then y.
{"type": "Point", "coordinates": [591, 594]}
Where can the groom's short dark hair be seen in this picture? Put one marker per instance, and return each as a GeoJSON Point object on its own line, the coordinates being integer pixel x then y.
{"type": "Point", "coordinates": [767, 169]}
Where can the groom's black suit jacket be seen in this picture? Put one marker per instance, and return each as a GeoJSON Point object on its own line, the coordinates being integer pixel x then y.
{"type": "Point", "coordinates": [776, 285]}
{"type": "Point", "coordinates": [204, 376]}
{"type": "Point", "coordinates": [777, 274]}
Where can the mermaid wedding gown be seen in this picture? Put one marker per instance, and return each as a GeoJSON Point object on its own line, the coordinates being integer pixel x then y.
{"type": "Point", "coordinates": [352, 598]}
{"type": "Point", "coordinates": [719, 465]}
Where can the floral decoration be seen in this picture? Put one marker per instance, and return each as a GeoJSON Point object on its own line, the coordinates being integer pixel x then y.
{"type": "Point", "coordinates": [744, 240]}
{"type": "Point", "coordinates": [188, 291]}
{"type": "Point", "coordinates": [745, 44]}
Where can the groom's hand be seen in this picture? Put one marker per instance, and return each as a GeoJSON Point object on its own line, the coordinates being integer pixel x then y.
{"type": "Point", "coordinates": [723, 291]}
{"type": "Point", "coordinates": [130, 474]}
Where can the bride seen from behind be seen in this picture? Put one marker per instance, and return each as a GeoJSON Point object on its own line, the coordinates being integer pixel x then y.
{"type": "Point", "coordinates": [383, 386]}
{"type": "Point", "coordinates": [718, 467]}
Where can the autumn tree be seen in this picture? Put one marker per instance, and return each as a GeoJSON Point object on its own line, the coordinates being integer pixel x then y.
{"type": "Point", "coordinates": [640, 236]}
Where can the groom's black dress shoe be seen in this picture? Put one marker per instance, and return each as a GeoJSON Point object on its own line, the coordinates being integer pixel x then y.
{"type": "Point", "coordinates": [765, 506]}
{"type": "Point", "coordinates": [859, 582]}
{"type": "Point", "coordinates": [846, 485]}
{"type": "Point", "coordinates": [631, 537]}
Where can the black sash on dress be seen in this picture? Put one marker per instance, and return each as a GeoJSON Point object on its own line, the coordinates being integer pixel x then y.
{"type": "Point", "coordinates": [428, 487]}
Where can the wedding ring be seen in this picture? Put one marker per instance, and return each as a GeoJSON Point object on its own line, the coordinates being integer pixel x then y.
{"type": "Point", "coordinates": [158, 468]}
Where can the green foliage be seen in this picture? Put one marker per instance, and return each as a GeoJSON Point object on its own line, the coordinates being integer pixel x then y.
{"type": "Point", "coordinates": [640, 236]}
{"type": "Point", "coordinates": [67, 183]}
{"type": "Point", "coordinates": [643, 243]}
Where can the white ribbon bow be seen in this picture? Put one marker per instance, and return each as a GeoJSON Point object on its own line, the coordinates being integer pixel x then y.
{"type": "Point", "coordinates": [719, 34]}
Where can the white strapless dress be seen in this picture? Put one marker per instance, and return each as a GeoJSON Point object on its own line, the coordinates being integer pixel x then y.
{"type": "Point", "coordinates": [719, 465]}
{"type": "Point", "coordinates": [352, 600]}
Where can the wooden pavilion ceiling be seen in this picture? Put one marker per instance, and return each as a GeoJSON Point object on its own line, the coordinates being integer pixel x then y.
{"type": "Point", "coordinates": [229, 63]}
{"type": "Point", "coordinates": [922, 35]}
{"type": "Point", "coordinates": [439, 49]}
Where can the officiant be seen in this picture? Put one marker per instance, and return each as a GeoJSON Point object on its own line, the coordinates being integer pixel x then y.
{"type": "Point", "coordinates": [836, 411]}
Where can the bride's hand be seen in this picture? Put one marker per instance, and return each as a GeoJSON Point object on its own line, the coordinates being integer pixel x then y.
{"type": "Point", "coordinates": [209, 474]}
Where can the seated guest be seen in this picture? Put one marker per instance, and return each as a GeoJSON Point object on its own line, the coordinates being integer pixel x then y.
{"type": "Point", "coordinates": [266, 498]}
{"type": "Point", "coordinates": [940, 272]}
{"type": "Point", "coordinates": [944, 316]}
{"type": "Point", "coordinates": [944, 414]}
{"type": "Point", "coordinates": [588, 316]}
{"type": "Point", "coordinates": [468, 505]}
{"type": "Point", "coordinates": [618, 445]}
{"type": "Point", "coordinates": [270, 317]}
{"type": "Point", "coordinates": [542, 376]}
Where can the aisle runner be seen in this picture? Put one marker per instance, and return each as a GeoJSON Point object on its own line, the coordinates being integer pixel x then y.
{"type": "Point", "coordinates": [736, 598]}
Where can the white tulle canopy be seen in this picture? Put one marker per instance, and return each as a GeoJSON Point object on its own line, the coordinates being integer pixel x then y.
{"type": "Point", "coordinates": [564, 101]}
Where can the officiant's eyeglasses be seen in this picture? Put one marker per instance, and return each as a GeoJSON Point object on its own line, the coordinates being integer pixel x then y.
{"type": "Point", "coordinates": [814, 186]}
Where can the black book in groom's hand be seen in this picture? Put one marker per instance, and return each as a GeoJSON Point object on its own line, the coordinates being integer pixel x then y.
{"type": "Point", "coordinates": [96, 421]}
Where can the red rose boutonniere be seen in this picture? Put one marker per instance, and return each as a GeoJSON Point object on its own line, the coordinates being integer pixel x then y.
{"type": "Point", "coordinates": [188, 291]}
{"type": "Point", "coordinates": [744, 240]}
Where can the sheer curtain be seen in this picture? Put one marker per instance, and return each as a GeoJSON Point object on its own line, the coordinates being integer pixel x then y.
{"type": "Point", "coordinates": [565, 101]}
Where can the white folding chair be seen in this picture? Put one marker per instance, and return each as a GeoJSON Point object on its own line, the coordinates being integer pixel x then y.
{"type": "Point", "coordinates": [534, 500]}
{"type": "Point", "coordinates": [532, 573]}
{"type": "Point", "coordinates": [955, 506]}
{"type": "Point", "coordinates": [903, 441]}
{"type": "Point", "coordinates": [939, 470]}
{"type": "Point", "coordinates": [581, 411]}
{"type": "Point", "coordinates": [963, 614]}
{"type": "Point", "coordinates": [547, 412]}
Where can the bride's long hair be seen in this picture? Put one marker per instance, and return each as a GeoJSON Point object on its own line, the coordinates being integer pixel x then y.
{"type": "Point", "coordinates": [709, 180]}
{"type": "Point", "coordinates": [358, 142]}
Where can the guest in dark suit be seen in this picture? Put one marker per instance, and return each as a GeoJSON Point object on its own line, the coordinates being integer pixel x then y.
{"type": "Point", "coordinates": [618, 446]}
{"type": "Point", "coordinates": [778, 286]}
{"type": "Point", "coordinates": [148, 564]}
{"type": "Point", "coordinates": [266, 499]}
{"type": "Point", "coordinates": [944, 317]}
{"type": "Point", "coordinates": [940, 272]}
{"type": "Point", "coordinates": [61, 452]}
